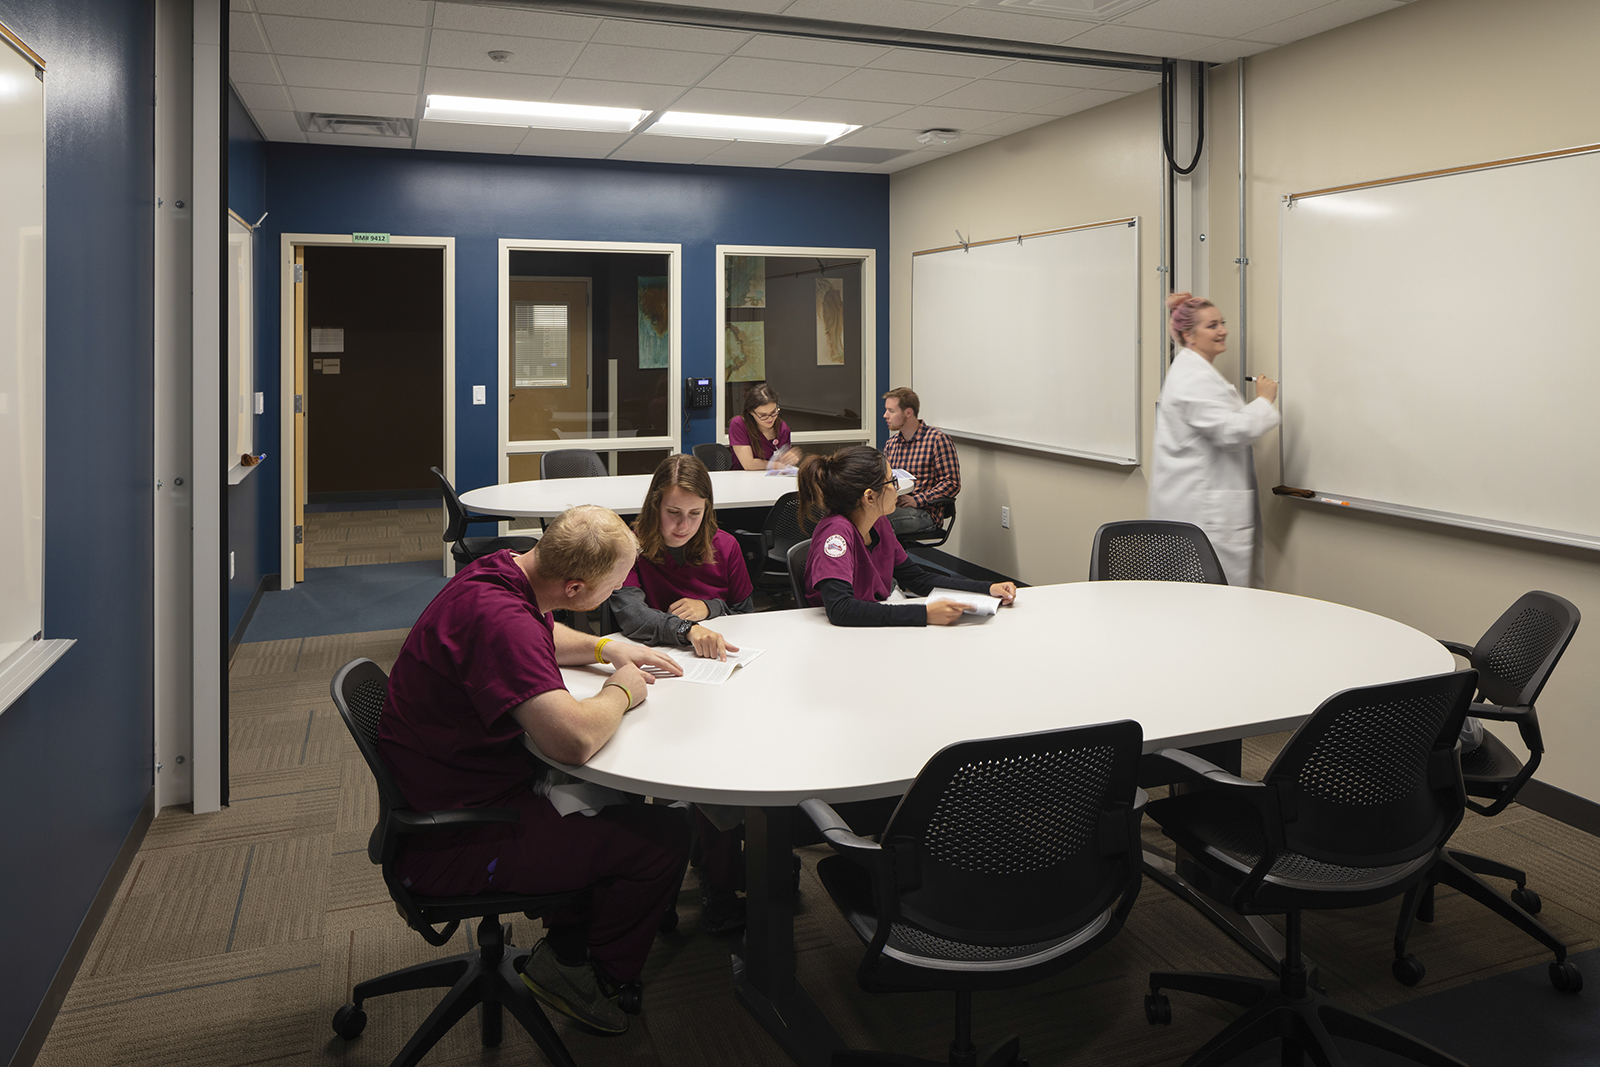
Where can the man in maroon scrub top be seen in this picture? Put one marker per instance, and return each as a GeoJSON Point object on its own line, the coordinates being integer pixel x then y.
{"type": "Point", "coordinates": [481, 668]}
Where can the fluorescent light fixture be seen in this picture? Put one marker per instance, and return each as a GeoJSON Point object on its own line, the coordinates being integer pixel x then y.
{"type": "Point", "coordinates": [529, 113]}
{"type": "Point", "coordinates": [739, 128]}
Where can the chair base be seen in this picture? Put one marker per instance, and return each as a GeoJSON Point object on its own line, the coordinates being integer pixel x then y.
{"type": "Point", "coordinates": [488, 979]}
{"type": "Point", "coordinates": [1306, 1024]}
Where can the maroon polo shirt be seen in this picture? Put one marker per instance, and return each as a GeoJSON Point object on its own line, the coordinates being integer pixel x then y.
{"type": "Point", "coordinates": [478, 650]}
{"type": "Point", "coordinates": [838, 551]}
{"type": "Point", "coordinates": [724, 577]}
{"type": "Point", "coordinates": [761, 449]}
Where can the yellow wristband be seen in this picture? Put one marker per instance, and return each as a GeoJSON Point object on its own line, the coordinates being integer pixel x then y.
{"type": "Point", "coordinates": [602, 643]}
{"type": "Point", "coordinates": [625, 692]}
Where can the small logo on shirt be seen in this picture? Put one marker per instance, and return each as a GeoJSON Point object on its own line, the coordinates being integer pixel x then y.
{"type": "Point", "coordinates": [835, 546]}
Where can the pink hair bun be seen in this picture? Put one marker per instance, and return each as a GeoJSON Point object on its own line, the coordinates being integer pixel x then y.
{"type": "Point", "coordinates": [1178, 298]}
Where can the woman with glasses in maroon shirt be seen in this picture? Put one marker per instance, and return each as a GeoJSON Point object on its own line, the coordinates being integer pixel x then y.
{"type": "Point", "coordinates": [759, 438]}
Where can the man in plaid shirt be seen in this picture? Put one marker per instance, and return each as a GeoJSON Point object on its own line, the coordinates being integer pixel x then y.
{"type": "Point", "coordinates": [923, 452]}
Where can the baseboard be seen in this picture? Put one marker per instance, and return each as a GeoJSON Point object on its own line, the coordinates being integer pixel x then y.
{"type": "Point", "coordinates": [269, 583]}
{"type": "Point", "coordinates": [1561, 805]}
{"type": "Point", "coordinates": [45, 1017]}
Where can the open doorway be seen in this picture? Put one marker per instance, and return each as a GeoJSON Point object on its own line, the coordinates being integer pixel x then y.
{"type": "Point", "coordinates": [368, 356]}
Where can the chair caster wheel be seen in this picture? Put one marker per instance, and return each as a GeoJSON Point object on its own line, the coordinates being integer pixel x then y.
{"type": "Point", "coordinates": [630, 997]}
{"type": "Point", "coordinates": [1408, 970]}
{"type": "Point", "coordinates": [1565, 977]}
{"type": "Point", "coordinates": [1526, 899]}
{"type": "Point", "coordinates": [1157, 1009]}
{"type": "Point", "coordinates": [349, 1021]}
{"type": "Point", "coordinates": [669, 920]}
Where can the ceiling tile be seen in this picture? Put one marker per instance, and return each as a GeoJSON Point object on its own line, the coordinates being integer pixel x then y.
{"type": "Point", "coordinates": [343, 40]}
{"type": "Point", "coordinates": [558, 152]}
{"type": "Point", "coordinates": [251, 67]}
{"type": "Point", "coordinates": [803, 50]}
{"type": "Point", "coordinates": [470, 51]}
{"type": "Point", "coordinates": [892, 86]}
{"type": "Point", "coordinates": [1141, 41]}
{"type": "Point", "coordinates": [576, 140]}
{"type": "Point", "coordinates": [358, 141]}
{"type": "Point", "coordinates": [1227, 51]}
{"type": "Point", "coordinates": [667, 149]}
{"type": "Point", "coordinates": [1327, 17]}
{"type": "Point", "coordinates": [769, 7]}
{"type": "Point", "coordinates": [729, 102]}
{"type": "Point", "coordinates": [239, 5]}
{"type": "Point", "coordinates": [966, 141]}
{"type": "Point", "coordinates": [1131, 81]}
{"type": "Point", "coordinates": [264, 97]}
{"type": "Point", "coordinates": [881, 137]}
{"type": "Point", "coordinates": [677, 38]}
{"type": "Point", "coordinates": [1001, 96]}
{"type": "Point", "coordinates": [1082, 100]}
{"type": "Point", "coordinates": [463, 137]}
{"type": "Point", "coordinates": [350, 74]}
{"type": "Point", "coordinates": [772, 76]}
{"type": "Point", "coordinates": [1216, 18]}
{"type": "Point", "coordinates": [942, 118]}
{"type": "Point", "coordinates": [350, 102]}
{"type": "Point", "coordinates": [909, 14]}
{"type": "Point", "coordinates": [1065, 74]}
{"type": "Point", "coordinates": [1013, 124]}
{"type": "Point", "coordinates": [278, 125]}
{"type": "Point", "coordinates": [616, 94]}
{"type": "Point", "coordinates": [394, 12]}
{"type": "Point", "coordinates": [918, 62]}
{"type": "Point", "coordinates": [756, 154]}
{"type": "Point", "coordinates": [448, 81]}
{"type": "Point", "coordinates": [1011, 26]}
{"type": "Point", "coordinates": [244, 33]}
{"type": "Point", "coordinates": [825, 164]}
{"type": "Point", "coordinates": [608, 61]}
{"type": "Point", "coordinates": [855, 112]}
{"type": "Point", "coordinates": [502, 21]}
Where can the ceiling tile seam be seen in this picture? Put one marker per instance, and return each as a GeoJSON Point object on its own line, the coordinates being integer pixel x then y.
{"type": "Point", "coordinates": [422, 74]}
{"type": "Point", "coordinates": [272, 53]}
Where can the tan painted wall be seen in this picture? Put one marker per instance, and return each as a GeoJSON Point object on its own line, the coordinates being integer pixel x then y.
{"type": "Point", "coordinates": [1435, 84]}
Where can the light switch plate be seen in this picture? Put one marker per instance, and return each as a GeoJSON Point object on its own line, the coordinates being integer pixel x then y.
{"type": "Point", "coordinates": [478, 394]}
{"type": "Point", "coordinates": [261, 403]}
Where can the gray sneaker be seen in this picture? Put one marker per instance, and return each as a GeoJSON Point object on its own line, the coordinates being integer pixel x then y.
{"type": "Point", "coordinates": [573, 991]}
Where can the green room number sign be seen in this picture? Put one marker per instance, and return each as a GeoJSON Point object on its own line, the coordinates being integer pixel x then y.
{"type": "Point", "coordinates": [369, 238]}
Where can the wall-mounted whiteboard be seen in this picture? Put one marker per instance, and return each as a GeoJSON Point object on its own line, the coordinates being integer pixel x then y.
{"type": "Point", "coordinates": [23, 656]}
{"type": "Point", "coordinates": [1033, 341]}
{"type": "Point", "coordinates": [1440, 353]}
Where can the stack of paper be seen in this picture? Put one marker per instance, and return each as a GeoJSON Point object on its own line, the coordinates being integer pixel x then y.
{"type": "Point", "coordinates": [711, 671]}
{"type": "Point", "coordinates": [971, 603]}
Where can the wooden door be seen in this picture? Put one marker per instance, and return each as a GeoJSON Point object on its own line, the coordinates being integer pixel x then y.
{"type": "Point", "coordinates": [548, 398]}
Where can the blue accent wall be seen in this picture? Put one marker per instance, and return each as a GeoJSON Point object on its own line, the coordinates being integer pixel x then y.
{"type": "Point", "coordinates": [76, 751]}
{"type": "Point", "coordinates": [479, 199]}
{"type": "Point", "coordinates": [252, 504]}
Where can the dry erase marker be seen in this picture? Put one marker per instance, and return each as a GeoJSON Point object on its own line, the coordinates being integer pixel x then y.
{"type": "Point", "coordinates": [1330, 500]}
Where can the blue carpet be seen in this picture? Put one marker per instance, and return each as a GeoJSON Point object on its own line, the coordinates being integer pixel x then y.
{"type": "Point", "coordinates": [347, 600]}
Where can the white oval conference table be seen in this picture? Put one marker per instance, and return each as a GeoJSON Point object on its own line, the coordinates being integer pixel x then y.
{"type": "Point", "coordinates": [546, 498]}
{"type": "Point", "coordinates": [850, 714]}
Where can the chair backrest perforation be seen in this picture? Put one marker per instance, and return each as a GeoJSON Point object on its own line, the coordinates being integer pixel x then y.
{"type": "Point", "coordinates": [571, 463]}
{"type": "Point", "coordinates": [1150, 550]}
{"type": "Point", "coordinates": [784, 522]}
{"type": "Point", "coordinates": [1375, 753]}
{"type": "Point", "coordinates": [1523, 646]}
{"type": "Point", "coordinates": [366, 708]}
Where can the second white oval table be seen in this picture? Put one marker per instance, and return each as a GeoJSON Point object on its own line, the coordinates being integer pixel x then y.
{"type": "Point", "coordinates": [546, 498]}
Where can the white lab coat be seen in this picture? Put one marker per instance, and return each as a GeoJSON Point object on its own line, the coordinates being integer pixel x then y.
{"type": "Point", "coordinates": [1203, 470]}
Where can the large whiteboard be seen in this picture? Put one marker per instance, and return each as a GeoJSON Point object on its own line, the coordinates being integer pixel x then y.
{"type": "Point", "coordinates": [1033, 341]}
{"type": "Point", "coordinates": [1440, 348]}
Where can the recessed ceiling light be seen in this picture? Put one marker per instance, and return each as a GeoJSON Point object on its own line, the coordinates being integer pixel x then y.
{"type": "Point", "coordinates": [528, 113]}
{"type": "Point", "coordinates": [742, 128]}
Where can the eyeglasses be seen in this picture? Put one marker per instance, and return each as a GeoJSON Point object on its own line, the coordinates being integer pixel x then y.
{"type": "Point", "coordinates": [768, 418]}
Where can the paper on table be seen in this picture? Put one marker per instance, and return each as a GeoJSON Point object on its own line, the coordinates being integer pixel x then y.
{"type": "Point", "coordinates": [971, 603]}
{"type": "Point", "coordinates": [711, 671]}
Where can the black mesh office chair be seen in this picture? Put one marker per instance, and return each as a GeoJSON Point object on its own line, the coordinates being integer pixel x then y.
{"type": "Point", "coordinates": [715, 455]}
{"type": "Point", "coordinates": [466, 549]}
{"type": "Point", "coordinates": [940, 533]}
{"type": "Point", "coordinates": [572, 463]}
{"type": "Point", "coordinates": [1008, 860]}
{"type": "Point", "coordinates": [1355, 810]}
{"type": "Point", "coordinates": [799, 553]}
{"type": "Point", "coordinates": [489, 978]}
{"type": "Point", "coordinates": [766, 552]}
{"type": "Point", "coordinates": [1145, 550]}
{"type": "Point", "coordinates": [1514, 659]}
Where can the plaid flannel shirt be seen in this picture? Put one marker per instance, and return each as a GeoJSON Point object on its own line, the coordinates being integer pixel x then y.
{"type": "Point", "coordinates": [930, 458]}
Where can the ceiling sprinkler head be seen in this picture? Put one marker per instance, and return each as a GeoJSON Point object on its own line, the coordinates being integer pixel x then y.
{"type": "Point", "coordinates": [500, 55]}
{"type": "Point", "coordinates": [939, 136]}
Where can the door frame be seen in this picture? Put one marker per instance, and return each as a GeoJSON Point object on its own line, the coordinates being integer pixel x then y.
{"type": "Point", "coordinates": [286, 367]}
{"type": "Point", "coordinates": [671, 441]}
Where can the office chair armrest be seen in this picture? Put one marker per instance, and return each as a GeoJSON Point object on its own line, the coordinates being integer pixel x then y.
{"type": "Point", "coordinates": [835, 830]}
{"type": "Point", "coordinates": [1196, 770]}
{"type": "Point", "coordinates": [1523, 715]}
{"type": "Point", "coordinates": [423, 822]}
{"type": "Point", "coordinates": [1464, 651]}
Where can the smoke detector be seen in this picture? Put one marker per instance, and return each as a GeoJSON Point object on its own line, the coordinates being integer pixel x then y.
{"type": "Point", "coordinates": [500, 55]}
{"type": "Point", "coordinates": [937, 136]}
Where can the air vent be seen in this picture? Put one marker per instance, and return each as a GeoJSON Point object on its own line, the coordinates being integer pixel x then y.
{"type": "Point", "coordinates": [847, 154]}
{"type": "Point", "coordinates": [360, 125]}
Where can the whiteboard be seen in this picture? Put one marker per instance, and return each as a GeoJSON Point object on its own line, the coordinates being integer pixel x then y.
{"type": "Point", "coordinates": [1033, 341]}
{"type": "Point", "coordinates": [1440, 354]}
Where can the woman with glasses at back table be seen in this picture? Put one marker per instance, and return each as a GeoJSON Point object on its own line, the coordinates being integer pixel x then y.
{"type": "Point", "coordinates": [759, 438]}
{"type": "Point", "coordinates": [855, 558]}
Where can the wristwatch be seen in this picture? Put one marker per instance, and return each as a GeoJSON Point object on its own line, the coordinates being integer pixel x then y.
{"type": "Point", "coordinates": [684, 626]}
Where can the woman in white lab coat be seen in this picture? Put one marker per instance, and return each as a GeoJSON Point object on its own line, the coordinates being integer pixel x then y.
{"type": "Point", "coordinates": [1203, 470]}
